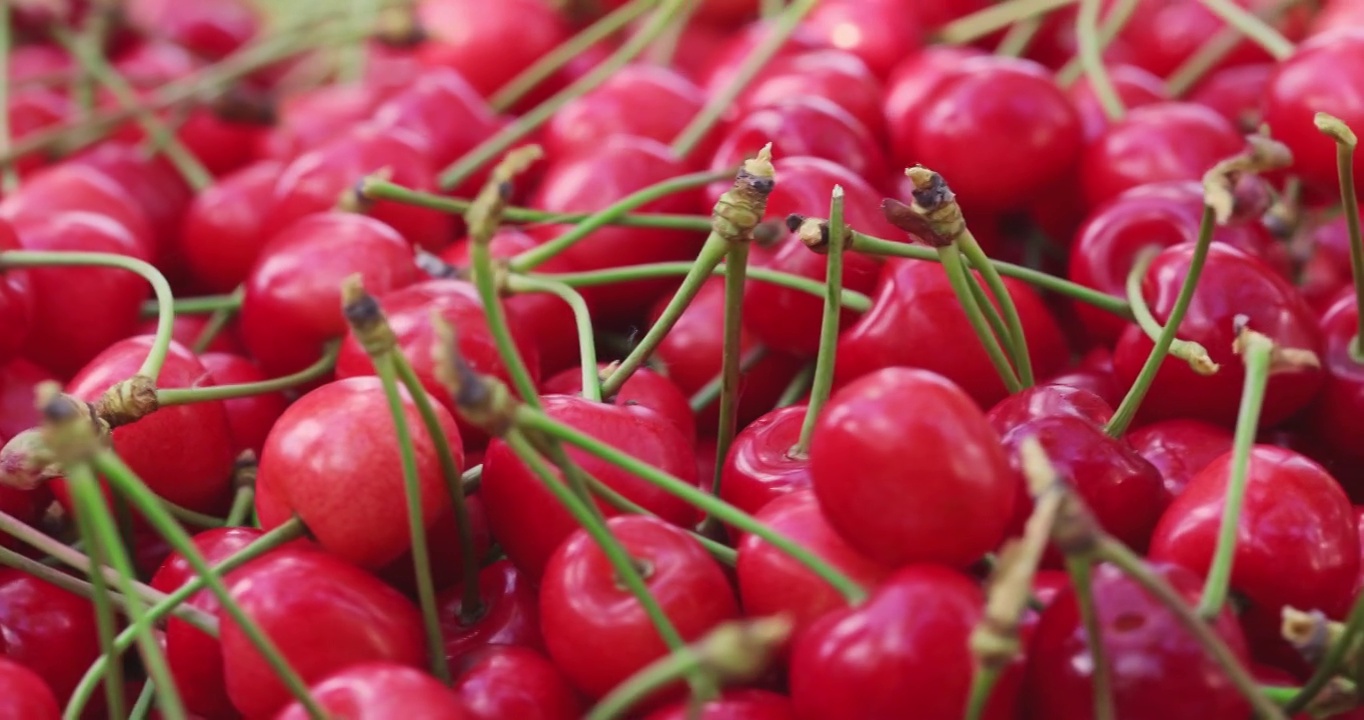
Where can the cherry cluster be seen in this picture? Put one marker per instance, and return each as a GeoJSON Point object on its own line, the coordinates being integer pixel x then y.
{"type": "Point", "coordinates": [665, 359]}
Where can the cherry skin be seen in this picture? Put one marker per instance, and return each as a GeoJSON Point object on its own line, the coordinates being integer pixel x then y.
{"type": "Point", "coordinates": [323, 614]}
{"type": "Point", "coordinates": [71, 187]}
{"type": "Point", "coordinates": [1158, 670]}
{"type": "Point", "coordinates": [878, 32]}
{"type": "Point", "coordinates": [212, 29]}
{"type": "Point", "coordinates": [962, 514]}
{"type": "Point", "coordinates": [907, 89]}
{"type": "Point", "coordinates": [761, 466]}
{"type": "Point", "coordinates": [47, 630]}
{"type": "Point", "coordinates": [378, 691]}
{"type": "Point", "coordinates": [506, 681]}
{"type": "Point", "coordinates": [648, 101]}
{"type": "Point", "coordinates": [447, 115]}
{"type": "Point", "coordinates": [510, 614]}
{"type": "Point", "coordinates": [916, 321]}
{"type": "Point", "coordinates": [26, 506]}
{"type": "Point", "coordinates": [1180, 449]}
{"type": "Point", "coordinates": [728, 55]}
{"type": "Point", "coordinates": [1333, 414]}
{"type": "Point", "coordinates": [442, 546]}
{"type": "Point", "coordinates": [1325, 274]}
{"type": "Point", "coordinates": [1152, 143]}
{"type": "Point", "coordinates": [1048, 400]}
{"type": "Point", "coordinates": [16, 300]}
{"type": "Point", "coordinates": [292, 304]}
{"type": "Point", "coordinates": [346, 473]}
{"type": "Point", "coordinates": [308, 120]}
{"type": "Point", "coordinates": [736, 704]}
{"type": "Point", "coordinates": [1235, 93]}
{"type": "Point", "coordinates": [488, 45]}
{"type": "Point", "coordinates": [771, 583]}
{"type": "Point", "coordinates": [153, 182]}
{"type": "Point", "coordinates": [224, 228]}
{"type": "Point", "coordinates": [999, 130]}
{"type": "Point", "coordinates": [527, 520]}
{"type": "Point", "coordinates": [596, 632]}
{"type": "Point", "coordinates": [1135, 87]}
{"type": "Point", "coordinates": [248, 418]}
{"type": "Point", "coordinates": [23, 694]}
{"type": "Point", "coordinates": [1314, 80]}
{"type": "Point", "coordinates": [799, 127]}
{"type": "Point", "coordinates": [906, 646]}
{"type": "Point", "coordinates": [186, 329]}
{"type": "Point", "coordinates": [18, 380]}
{"type": "Point", "coordinates": [184, 453]}
{"type": "Point", "coordinates": [1232, 284]}
{"type": "Point", "coordinates": [1294, 515]}
{"type": "Point", "coordinates": [834, 75]}
{"type": "Point", "coordinates": [33, 109]}
{"type": "Point", "coordinates": [645, 388]}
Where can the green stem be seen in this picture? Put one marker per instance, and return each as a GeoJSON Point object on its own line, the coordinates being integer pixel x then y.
{"type": "Point", "coordinates": [485, 281]}
{"type": "Point", "coordinates": [1345, 163]}
{"type": "Point", "coordinates": [1113, 23]}
{"type": "Point", "coordinates": [319, 369]}
{"type": "Point", "coordinates": [582, 318]}
{"type": "Point", "coordinates": [722, 101]}
{"type": "Point", "coordinates": [1187, 350]}
{"type": "Point", "coordinates": [528, 122]}
{"type": "Point", "coordinates": [991, 315]}
{"type": "Point", "coordinates": [9, 176]}
{"type": "Point", "coordinates": [736, 261]}
{"type": "Point", "coordinates": [957, 277]}
{"type": "Point", "coordinates": [242, 504]}
{"type": "Point", "coordinates": [649, 681]}
{"type": "Point", "coordinates": [533, 258]}
{"type": "Point", "coordinates": [710, 392]}
{"type": "Point", "coordinates": [1210, 54]}
{"type": "Point", "coordinates": [165, 324]}
{"type": "Point", "coordinates": [194, 306]}
{"type": "Point", "coordinates": [982, 687]}
{"type": "Point", "coordinates": [707, 503]}
{"type": "Point", "coordinates": [1081, 573]}
{"type": "Point", "coordinates": [799, 385]}
{"type": "Point", "coordinates": [1330, 664]}
{"type": "Point", "coordinates": [217, 322]}
{"type": "Point", "coordinates": [823, 380]}
{"type": "Point", "coordinates": [126, 483]}
{"type": "Point", "coordinates": [1019, 37]}
{"type": "Point", "coordinates": [1018, 341]}
{"type": "Point", "coordinates": [191, 517]}
{"type": "Point", "coordinates": [851, 299]}
{"type": "Point", "coordinates": [145, 700]}
{"type": "Point", "coordinates": [1250, 25]}
{"type": "Point", "coordinates": [550, 63]}
{"type": "Point", "coordinates": [352, 65]}
{"type": "Point", "coordinates": [1091, 57]}
{"type": "Point", "coordinates": [1127, 409]}
{"type": "Point", "coordinates": [722, 553]}
{"type": "Point", "coordinates": [105, 622]}
{"type": "Point", "coordinates": [995, 17]}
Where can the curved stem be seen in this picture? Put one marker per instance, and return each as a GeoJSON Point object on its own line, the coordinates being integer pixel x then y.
{"type": "Point", "coordinates": [991, 315]}
{"type": "Point", "coordinates": [1191, 352]}
{"type": "Point", "coordinates": [1018, 341]}
{"type": "Point", "coordinates": [995, 17]}
{"type": "Point", "coordinates": [707, 503]}
{"type": "Point", "coordinates": [316, 371]}
{"type": "Point", "coordinates": [1127, 409]}
{"type": "Point", "coordinates": [1113, 23]}
{"type": "Point", "coordinates": [486, 282]}
{"type": "Point", "coordinates": [823, 380]}
{"type": "Point", "coordinates": [1211, 53]}
{"type": "Point", "coordinates": [192, 517]}
{"type": "Point", "coordinates": [957, 277]}
{"type": "Point", "coordinates": [582, 318]}
{"type": "Point", "coordinates": [151, 367]}
{"type": "Point", "coordinates": [710, 392]}
{"type": "Point", "coordinates": [1250, 25]}
{"type": "Point", "coordinates": [1345, 163]}
{"type": "Point", "coordinates": [9, 177]}
{"type": "Point", "coordinates": [1081, 572]}
{"type": "Point", "coordinates": [1091, 58]}
{"type": "Point", "coordinates": [850, 299]}
{"type": "Point", "coordinates": [217, 322]}
{"type": "Point", "coordinates": [145, 700]}
{"type": "Point", "coordinates": [736, 262]}
{"type": "Point", "coordinates": [533, 258]}
{"type": "Point", "coordinates": [194, 306]}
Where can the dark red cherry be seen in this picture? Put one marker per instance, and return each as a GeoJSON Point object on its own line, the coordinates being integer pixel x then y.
{"type": "Point", "coordinates": [248, 418]}
{"type": "Point", "coordinates": [71, 187]}
{"type": "Point", "coordinates": [1153, 143]}
{"type": "Point", "coordinates": [907, 88]}
{"type": "Point", "coordinates": [18, 379]}
{"type": "Point", "coordinates": [510, 614]}
{"type": "Point", "coordinates": [183, 452]}
{"type": "Point", "coordinates": [1315, 79]}
{"type": "Point", "coordinates": [224, 228]}
{"type": "Point", "coordinates": [801, 126]}
{"type": "Point", "coordinates": [771, 583]}
{"type": "Point", "coordinates": [1334, 418]}
{"type": "Point", "coordinates": [210, 29]}
{"type": "Point", "coordinates": [16, 300]}
{"type": "Point", "coordinates": [26, 506]}
{"type": "Point", "coordinates": [23, 694]}
{"type": "Point", "coordinates": [380, 690]}
{"type": "Point", "coordinates": [1158, 671]}
{"type": "Point", "coordinates": [334, 460]}
{"type": "Point", "coordinates": [1235, 93]}
{"type": "Point", "coordinates": [962, 513]}
{"type": "Point", "coordinates": [186, 329]}
{"type": "Point", "coordinates": [442, 546]}
{"type": "Point", "coordinates": [505, 681]}
{"type": "Point", "coordinates": [292, 304]}
{"type": "Point", "coordinates": [1056, 42]}
{"type": "Point", "coordinates": [527, 520]}
{"type": "Point", "coordinates": [1135, 87]}
{"type": "Point", "coordinates": [879, 32]}
{"type": "Point", "coordinates": [488, 45]}
{"type": "Point", "coordinates": [1048, 400]}
{"type": "Point", "coordinates": [645, 388]}
{"type": "Point", "coordinates": [1163, 34]}
{"type": "Point", "coordinates": [323, 614]}
{"type": "Point", "coordinates": [47, 630]}
{"type": "Point", "coordinates": [1294, 515]}
{"type": "Point", "coordinates": [1325, 273]}
{"type": "Point", "coordinates": [834, 75]}
{"type": "Point", "coordinates": [308, 120]}
{"type": "Point", "coordinates": [736, 704]}
{"type": "Point", "coordinates": [1180, 449]}
{"type": "Point", "coordinates": [648, 101]}
{"type": "Point", "coordinates": [906, 646]}
{"type": "Point", "coordinates": [1100, 382]}
{"type": "Point", "coordinates": [761, 466]}
{"type": "Point", "coordinates": [916, 321]}
{"type": "Point", "coordinates": [1233, 283]}
{"type": "Point", "coordinates": [597, 633]}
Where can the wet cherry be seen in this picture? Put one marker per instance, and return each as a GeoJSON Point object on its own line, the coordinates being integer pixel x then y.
{"type": "Point", "coordinates": [510, 614]}
{"type": "Point", "coordinates": [249, 418]}
{"type": "Point", "coordinates": [1180, 449]}
{"type": "Point", "coordinates": [378, 691]}
{"type": "Point", "coordinates": [505, 681]}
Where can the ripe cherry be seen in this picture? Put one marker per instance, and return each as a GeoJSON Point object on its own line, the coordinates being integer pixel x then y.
{"type": "Point", "coordinates": [726, 58]}
{"type": "Point", "coordinates": [26, 506]}
{"type": "Point", "coordinates": [249, 418]}
{"type": "Point", "coordinates": [153, 182]}
{"type": "Point", "coordinates": [736, 704]}
{"type": "Point", "coordinates": [1333, 418]}
{"type": "Point", "coordinates": [23, 694]}
{"type": "Point", "coordinates": [488, 45]}
{"type": "Point", "coordinates": [1134, 86]}
{"type": "Point", "coordinates": [47, 630]}
{"type": "Point", "coordinates": [32, 109]}
{"type": "Point", "coordinates": [1180, 449]}
{"type": "Point", "coordinates": [648, 101]}
{"type": "Point", "coordinates": [224, 227]}
{"type": "Point", "coordinates": [962, 514]}
{"type": "Point", "coordinates": [378, 691]}
{"type": "Point", "coordinates": [18, 379]}
{"type": "Point", "coordinates": [510, 614]}
{"type": "Point", "coordinates": [16, 300]}
{"type": "Point", "coordinates": [1235, 93]}
{"type": "Point", "coordinates": [834, 75]}
{"type": "Point", "coordinates": [907, 89]}
{"type": "Point", "coordinates": [1163, 34]}
{"type": "Point", "coordinates": [308, 120]}
{"type": "Point", "coordinates": [71, 187]}
{"type": "Point", "coordinates": [878, 32]}
{"type": "Point", "coordinates": [210, 29]}
{"type": "Point", "coordinates": [1048, 400]}
{"type": "Point", "coordinates": [1314, 80]}
{"type": "Point", "coordinates": [442, 546]}
{"type": "Point", "coordinates": [596, 632]}
{"type": "Point", "coordinates": [801, 127]}
{"type": "Point", "coordinates": [761, 466]}
{"type": "Point", "coordinates": [645, 388]}
{"type": "Point", "coordinates": [505, 681]}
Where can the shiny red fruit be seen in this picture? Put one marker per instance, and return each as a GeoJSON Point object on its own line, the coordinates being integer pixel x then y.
{"type": "Point", "coordinates": [645, 388]}
{"type": "Point", "coordinates": [879, 32]}
{"type": "Point", "coordinates": [23, 694]}
{"type": "Point", "coordinates": [71, 187]}
{"type": "Point", "coordinates": [224, 227]}
{"type": "Point", "coordinates": [1180, 449]}
{"type": "Point", "coordinates": [380, 691]}
{"type": "Point", "coordinates": [834, 75]}
{"type": "Point", "coordinates": [509, 615]}
{"type": "Point", "coordinates": [908, 88]}
{"type": "Point", "coordinates": [249, 418]}
{"type": "Point", "coordinates": [447, 115]}
{"type": "Point", "coordinates": [16, 301]}
{"type": "Point", "coordinates": [1134, 86]}
{"type": "Point", "coordinates": [18, 380]}
{"type": "Point", "coordinates": [1316, 78]}
{"type": "Point", "coordinates": [1048, 400]}
{"type": "Point", "coordinates": [1164, 34]}
{"type": "Point", "coordinates": [801, 127]}
{"type": "Point", "coordinates": [648, 101]}
{"type": "Point", "coordinates": [154, 184]}
{"type": "Point", "coordinates": [761, 465]}
{"type": "Point", "coordinates": [1335, 418]}
{"type": "Point", "coordinates": [442, 546]}
{"type": "Point", "coordinates": [309, 119]}
{"type": "Point", "coordinates": [488, 44]}
{"type": "Point", "coordinates": [47, 630]}
{"type": "Point", "coordinates": [1236, 93]}
{"type": "Point", "coordinates": [504, 681]}
{"type": "Point", "coordinates": [736, 704]}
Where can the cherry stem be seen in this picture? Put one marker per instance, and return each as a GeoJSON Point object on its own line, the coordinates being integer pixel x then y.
{"type": "Point", "coordinates": [105, 622]}
{"type": "Point", "coordinates": [688, 492]}
{"type": "Point", "coordinates": [870, 245]}
{"type": "Point", "coordinates": [127, 484]}
{"type": "Point", "coordinates": [92, 60]}
{"type": "Point", "coordinates": [217, 322]}
{"type": "Point", "coordinates": [165, 323]}
{"type": "Point", "coordinates": [710, 392]}
{"type": "Point", "coordinates": [242, 502]}
{"type": "Point", "coordinates": [1256, 353]}
{"type": "Point", "coordinates": [146, 698]}
{"type": "Point", "coordinates": [1250, 25]}
{"type": "Point", "coordinates": [1015, 337]}
{"type": "Point", "coordinates": [1133, 566]}
{"type": "Point", "coordinates": [995, 17]}
{"type": "Point", "coordinates": [731, 370]}
{"type": "Point", "coordinates": [982, 687]}
{"type": "Point", "coordinates": [1113, 23]}
{"type": "Point", "coordinates": [822, 382]}
{"type": "Point", "coordinates": [202, 305]}
{"type": "Point", "coordinates": [957, 277]}
{"type": "Point", "coordinates": [1019, 37]}
{"type": "Point", "coordinates": [1127, 409]}
{"type": "Point", "coordinates": [1210, 54]}
{"type": "Point", "coordinates": [362, 14]}
{"type": "Point", "coordinates": [173, 603]}
{"type": "Point", "coordinates": [532, 119]}
{"type": "Point", "coordinates": [722, 101]}
{"type": "Point", "coordinates": [1345, 162]}
{"type": "Point", "coordinates": [548, 64]}
{"type": "Point", "coordinates": [485, 280]}
{"type": "Point", "coordinates": [992, 318]}
{"type": "Point", "coordinates": [799, 386]}
{"type": "Point", "coordinates": [849, 299]}
{"type": "Point", "coordinates": [1081, 575]}
{"type": "Point", "coordinates": [533, 258]}
{"type": "Point", "coordinates": [1091, 58]}
{"type": "Point", "coordinates": [721, 552]}
{"type": "Point", "coordinates": [1331, 662]}
{"type": "Point", "coordinates": [582, 319]}
{"type": "Point", "coordinates": [319, 369]}
{"type": "Point", "coordinates": [189, 517]}
{"type": "Point", "coordinates": [1187, 350]}
{"type": "Point", "coordinates": [9, 176]}
{"type": "Point", "coordinates": [648, 681]}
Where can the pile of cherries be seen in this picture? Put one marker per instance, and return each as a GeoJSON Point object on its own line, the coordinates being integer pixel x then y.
{"type": "Point", "coordinates": [533, 360]}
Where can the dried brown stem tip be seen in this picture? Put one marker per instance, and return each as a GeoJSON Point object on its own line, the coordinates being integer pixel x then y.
{"type": "Point", "coordinates": [432, 264]}
{"type": "Point", "coordinates": [245, 470]}
{"type": "Point", "coordinates": [742, 650]}
{"type": "Point", "coordinates": [483, 401]}
{"type": "Point", "coordinates": [366, 318]}
{"type": "Point", "coordinates": [740, 210]}
{"type": "Point", "coordinates": [484, 215]}
{"type": "Point", "coordinates": [1220, 183]}
{"type": "Point", "coordinates": [357, 198]}
{"type": "Point", "coordinates": [1075, 531]}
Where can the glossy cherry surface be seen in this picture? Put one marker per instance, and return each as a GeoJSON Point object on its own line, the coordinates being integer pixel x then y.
{"type": "Point", "coordinates": [18, 412]}
{"type": "Point", "coordinates": [249, 418]}
{"type": "Point", "coordinates": [1180, 449]}
{"type": "Point", "coordinates": [645, 388]}
{"type": "Point", "coordinates": [23, 694]}
{"type": "Point", "coordinates": [224, 228]}
{"type": "Point", "coordinates": [761, 466]}
{"type": "Point", "coordinates": [379, 691]}
{"type": "Point", "coordinates": [47, 630]}
{"type": "Point", "coordinates": [801, 127]}
{"type": "Point", "coordinates": [1334, 417]}
{"type": "Point", "coordinates": [736, 704]}
{"type": "Point", "coordinates": [505, 681]}
{"type": "Point", "coordinates": [834, 75]}
{"type": "Point", "coordinates": [1235, 93]}
{"type": "Point", "coordinates": [1135, 87]}
{"type": "Point", "coordinates": [71, 187]}
{"type": "Point", "coordinates": [16, 300]}
{"type": "Point", "coordinates": [648, 101]}
{"type": "Point", "coordinates": [1316, 78]}
{"type": "Point", "coordinates": [154, 184]}
{"type": "Point", "coordinates": [510, 614]}
{"type": "Point", "coordinates": [879, 32]}
{"type": "Point", "coordinates": [907, 89]}
{"type": "Point", "coordinates": [1048, 400]}
{"type": "Point", "coordinates": [447, 115]}
{"type": "Point", "coordinates": [306, 120]}
{"type": "Point", "coordinates": [487, 44]}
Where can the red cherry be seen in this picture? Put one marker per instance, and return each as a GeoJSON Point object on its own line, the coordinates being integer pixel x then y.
{"type": "Point", "coordinates": [878, 32]}
{"type": "Point", "coordinates": [152, 181]}
{"type": "Point", "coordinates": [760, 466]}
{"type": "Point", "coordinates": [906, 646]}
{"type": "Point", "coordinates": [505, 681]}
{"type": "Point", "coordinates": [1294, 515]}
{"type": "Point", "coordinates": [596, 632]}
{"type": "Point", "coordinates": [23, 694]}
{"type": "Point", "coordinates": [771, 583]}
{"type": "Point", "coordinates": [1134, 86]}
{"type": "Point", "coordinates": [380, 691]}
{"type": "Point", "coordinates": [16, 301]}
{"type": "Point", "coordinates": [645, 388]}
{"type": "Point", "coordinates": [907, 88]}
{"type": "Point", "coordinates": [916, 321]}
{"type": "Point", "coordinates": [292, 303]}
{"type": "Point", "coordinates": [1180, 449]}
{"type": "Point", "coordinates": [1235, 93]}
{"type": "Point", "coordinates": [1056, 42]}
{"type": "Point", "coordinates": [345, 478]}
{"type": "Point", "coordinates": [726, 58]}
{"type": "Point", "coordinates": [186, 329]}
{"type": "Point", "coordinates": [961, 514]}
{"type": "Point", "coordinates": [510, 614]}
{"type": "Point", "coordinates": [26, 506]}
{"type": "Point", "coordinates": [1100, 382]}
{"type": "Point", "coordinates": [442, 546]}
{"type": "Point", "coordinates": [308, 120]}
{"type": "Point", "coordinates": [249, 418]}
{"type": "Point", "coordinates": [323, 614]}
{"type": "Point", "coordinates": [18, 380]}
{"type": "Point", "coordinates": [224, 227]}
{"type": "Point", "coordinates": [1333, 418]}
{"type": "Point", "coordinates": [487, 44]}
{"type": "Point", "coordinates": [529, 523]}
{"type": "Point", "coordinates": [938, 14]}
{"type": "Point", "coordinates": [1158, 670]}
{"type": "Point", "coordinates": [32, 109]}
{"type": "Point", "coordinates": [1153, 143]}
{"type": "Point", "coordinates": [183, 452]}
{"type": "Point", "coordinates": [211, 29]}
{"type": "Point", "coordinates": [1165, 33]}
{"type": "Point", "coordinates": [737, 704]}
{"type": "Point", "coordinates": [801, 126]}
{"type": "Point", "coordinates": [1048, 400]}
{"type": "Point", "coordinates": [71, 187]}
{"type": "Point", "coordinates": [47, 630]}
{"type": "Point", "coordinates": [647, 101]}
{"type": "Point", "coordinates": [1232, 284]}
{"type": "Point", "coordinates": [1325, 274]}
{"type": "Point", "coordinates": [835, 75]}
